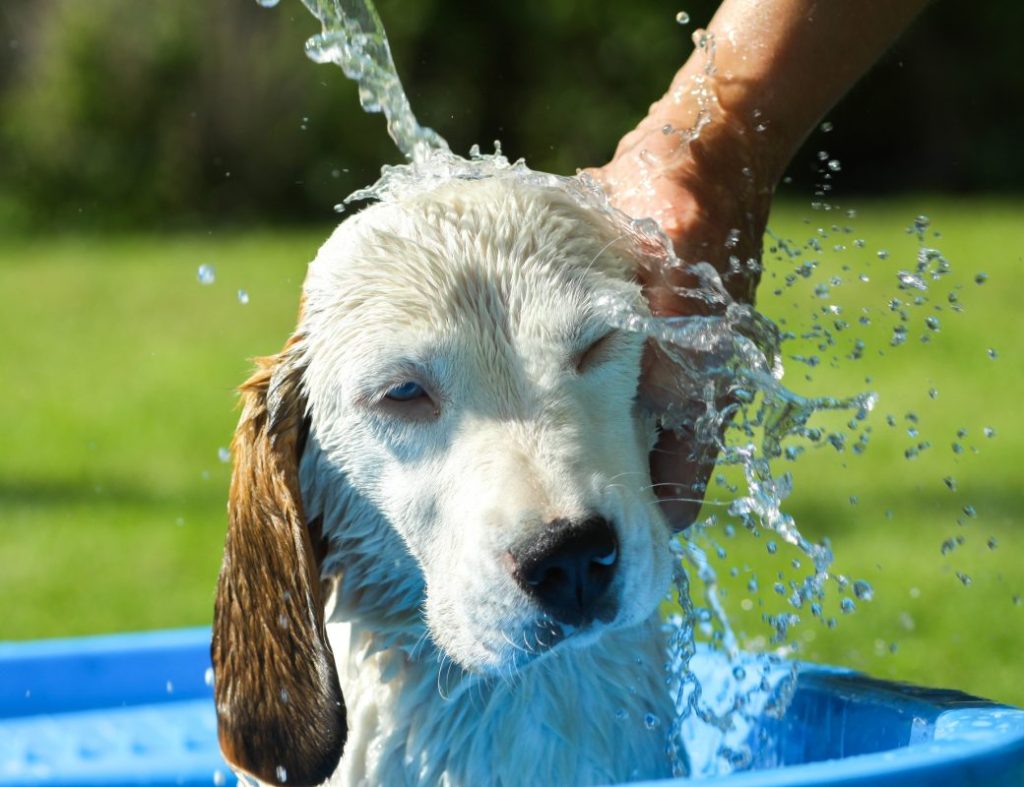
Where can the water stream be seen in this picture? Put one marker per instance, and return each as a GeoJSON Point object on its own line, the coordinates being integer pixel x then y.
{"type": "Point", "coordinates": [730, 398]}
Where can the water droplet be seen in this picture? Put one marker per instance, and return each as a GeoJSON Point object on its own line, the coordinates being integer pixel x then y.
{"type": "Point", "coordinates": [883, 254]}
{"type": "Point", "coordinates": [848, 606]}
{"type": "Point", "coordinates": [282, 620]}
{"type": "Point", "coordinates": [208, 676]}
{"type": "Point", "coordinates": [933, 324]}
{"type": "Point", "coordinates": [965, 579]}
{"type": "Point", "coordinates": [957, 448]}
{"type": "Point", "coordinates": [285, 696]}
{"type": "Point", "coordinates": [682, 18]}
{"type": "Point", "coordinates": [738, 672]}
{"type": "Point", "coordinates": [834, 165]}
{"type": "Point", "coordinates": [863, 590]}
{"type": "Point", "coordinates": [950, 482]}
{"type": "Point", "coordinates": [970, 510]}
{"type": "Point", "coordinates": [224, 454]}
{"type": "Point", "coordinates": [651, 722]}
{"type": "Point", "coordinates": [243, 297]}
{"type": "Point", "coordinates": [268, 3]}
{"type": "Point", "coordinates": [772, 547]}
{"type": "Point", "coordinates": [170, 687]}
{"type": "Point", "coordinates": [621, 714]}
{"type": "Point", "coordinates": [989, 432]}
{"type": "Point", "coordinates": [206, 274]}
{"type": "Point", "coordinates": [992, 353]}
{"type": "Point", "coordinates": [911, 281]}
{"type": "Point", "coordinates": [981, 278]}
{"type": "Point", "coordinates": [282, 774]}
{"type": "Point", "coordinates": [218, 775]}
{"type": "Point", "coordinates": [947, 546]}
{"type": "Point", "coordinates": [339, 207]}
{"type": "Point", "coordinates": [1017, 600]}
{"type": "Point", "coordinates": [826, 127]}
{"type": "Point", "coordinates": [992, 542]}
{"type": "Point", "coordinates": [933, 393]}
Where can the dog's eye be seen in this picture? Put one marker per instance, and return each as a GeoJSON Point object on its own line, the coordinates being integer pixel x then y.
{"type": "Point", "coordinates": [405, 392]}
{"type": "Point", "coordinates": [596, 353]}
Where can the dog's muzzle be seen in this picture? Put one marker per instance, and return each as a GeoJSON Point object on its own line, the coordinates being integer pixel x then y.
{"type": "Point", "coordinates": [568, 568]}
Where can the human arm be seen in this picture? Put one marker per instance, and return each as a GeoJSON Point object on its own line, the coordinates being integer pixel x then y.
{"type": "Point", "coordinates": [778, 66]}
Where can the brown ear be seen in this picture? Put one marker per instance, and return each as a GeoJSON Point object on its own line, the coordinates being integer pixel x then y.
{"type": "Point", "coordinates": [280, 712]}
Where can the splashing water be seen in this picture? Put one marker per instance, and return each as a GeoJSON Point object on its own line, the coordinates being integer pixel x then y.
{"type": "Point", "coordinates": [729, 399]}
{"type": "Point", "coordinates": [353, 38]}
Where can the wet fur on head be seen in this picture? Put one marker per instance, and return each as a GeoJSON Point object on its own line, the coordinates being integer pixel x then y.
{"type": "Point", "coordinates": [395, 522]}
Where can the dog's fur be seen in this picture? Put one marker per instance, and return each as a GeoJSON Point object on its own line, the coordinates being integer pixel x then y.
{"type": "Point", "coordinates": [381, 530]}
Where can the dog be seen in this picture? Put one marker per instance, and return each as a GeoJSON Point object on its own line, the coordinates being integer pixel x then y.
{"type": "Point", "coordinates": [445, 559]}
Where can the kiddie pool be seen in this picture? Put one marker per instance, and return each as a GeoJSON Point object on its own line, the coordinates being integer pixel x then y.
{"type": "Point", "coordinates": [138, 709]}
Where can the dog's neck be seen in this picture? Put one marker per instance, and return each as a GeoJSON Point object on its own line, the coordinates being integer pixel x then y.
{"type": "Point", "coordinates": [589, 715]}
{"type": "Point", "coordinates": [596, 715]}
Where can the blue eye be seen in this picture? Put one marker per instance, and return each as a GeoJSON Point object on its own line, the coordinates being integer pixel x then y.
{"type": "Point", "coordinates": [405, 392]}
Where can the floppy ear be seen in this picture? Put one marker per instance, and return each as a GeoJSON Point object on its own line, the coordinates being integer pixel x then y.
{"type": "Point", "coordinates": [280, 712]}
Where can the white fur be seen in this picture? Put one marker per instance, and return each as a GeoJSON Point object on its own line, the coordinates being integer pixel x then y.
{"type": "Point", "coordinates": [486, 293]}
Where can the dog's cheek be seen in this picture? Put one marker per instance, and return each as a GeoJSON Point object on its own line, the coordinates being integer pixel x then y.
{"type": "Point", "coordinates": [411, 498]}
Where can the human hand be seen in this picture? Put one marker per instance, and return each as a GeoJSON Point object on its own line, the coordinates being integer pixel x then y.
{"type": "Point", "coordinates": [706, 194]}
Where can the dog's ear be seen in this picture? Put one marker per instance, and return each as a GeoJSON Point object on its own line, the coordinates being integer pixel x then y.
{"type": "Point", "coordinates": [280, 712]}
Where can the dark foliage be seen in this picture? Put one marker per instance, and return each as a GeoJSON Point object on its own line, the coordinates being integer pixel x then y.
{"type": "Point", "coordinates": [166, 113]}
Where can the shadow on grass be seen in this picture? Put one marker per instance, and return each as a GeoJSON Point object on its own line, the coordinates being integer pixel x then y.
{"type": "Point", "coordinates": [56, 493]}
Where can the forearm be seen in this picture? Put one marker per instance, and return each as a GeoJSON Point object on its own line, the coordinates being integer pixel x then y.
{"type": "Point", "coordinates": [706, 158]}
{"type": "Point", "coordinates": [781, 64]}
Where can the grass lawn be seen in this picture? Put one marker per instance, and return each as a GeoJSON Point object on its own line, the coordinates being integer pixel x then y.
{"type": "Point", "coordinates": [119, 369]}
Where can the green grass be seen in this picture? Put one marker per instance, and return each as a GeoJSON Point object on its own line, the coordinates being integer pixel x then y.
{"type": "Point", "coordinates": [118, 372]}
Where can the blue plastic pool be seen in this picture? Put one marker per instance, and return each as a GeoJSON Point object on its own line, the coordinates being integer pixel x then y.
{"type": "Point", "coordinates": [137, 709]}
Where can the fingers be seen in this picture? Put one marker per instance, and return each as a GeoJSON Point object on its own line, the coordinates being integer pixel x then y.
{"type": "Point", "coordinates": [680, 477]}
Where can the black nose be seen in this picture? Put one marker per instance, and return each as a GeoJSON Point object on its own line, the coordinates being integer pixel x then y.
{"type": "Point", "coordinates": [568, 568]}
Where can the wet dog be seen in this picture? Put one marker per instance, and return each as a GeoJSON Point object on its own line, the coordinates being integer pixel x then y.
{"type": "Point", "coordinates": [444, 558]}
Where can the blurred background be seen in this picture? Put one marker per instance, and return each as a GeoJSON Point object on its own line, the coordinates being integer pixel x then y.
{"type": "Point", "coordinates": [141, 141]}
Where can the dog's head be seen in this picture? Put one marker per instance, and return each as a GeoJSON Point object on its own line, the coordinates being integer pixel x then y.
{"type": "Point", "coordinates": [455, 385]}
